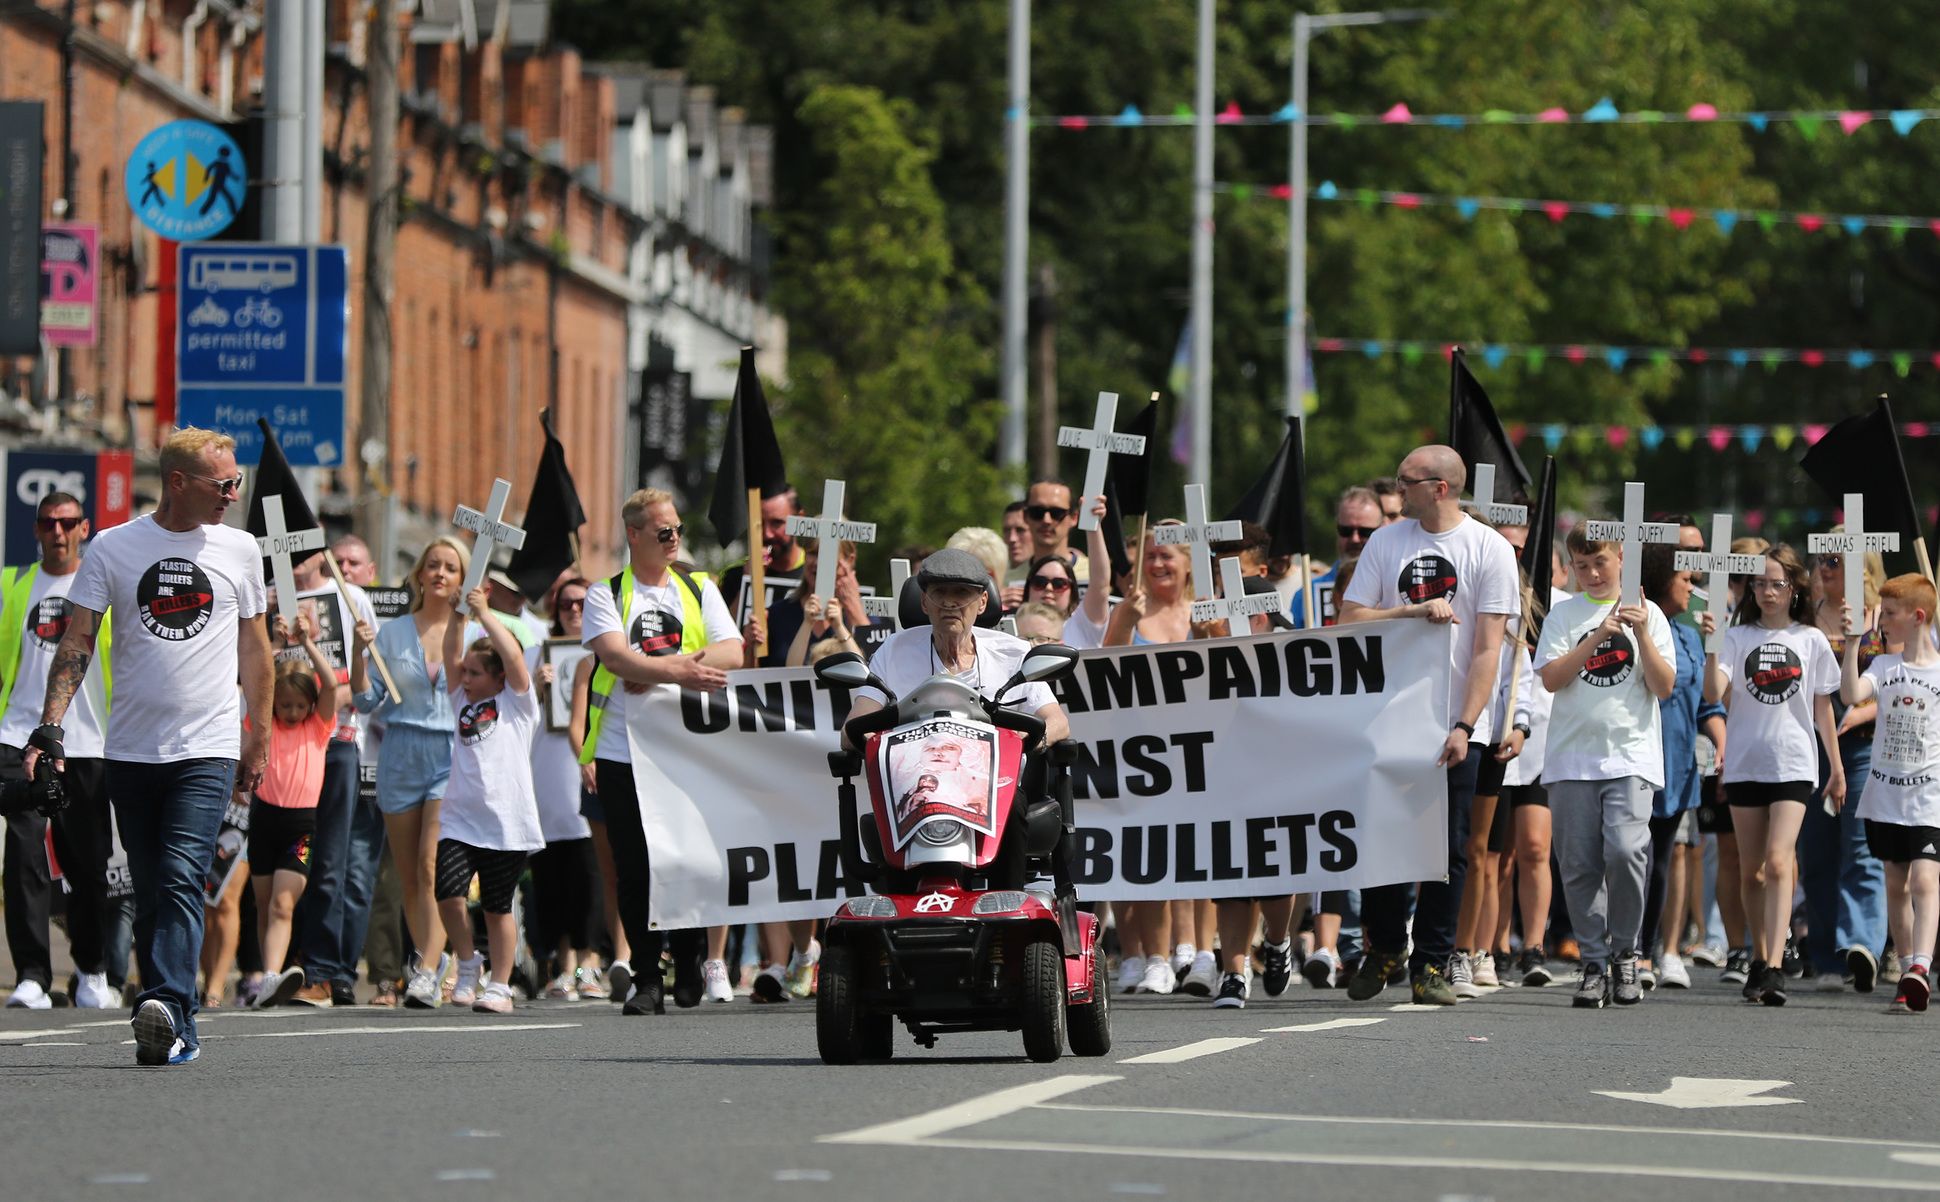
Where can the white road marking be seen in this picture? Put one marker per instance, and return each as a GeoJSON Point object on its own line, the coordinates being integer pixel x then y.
{"type": "Point", "coordinates": [1141, 1188]}
{"type": "Point", "coordinates": [1707, 1093]}
{"type": "Point", "coordinates": [1193, 1051]}
{"type": "Point", "coordinates": [920, 1127]}
{"type": "Point", "coordinates": [466, 1175]}
{"type": "Point", "coordinates": [10, 1036]}
{"type": "Point", "coordinates": [119, 1179]}
{"type": "Point", "coordinates": [478, 1135]}
{"type": "Point", "coordinates": [1920, 1158]}
{"type": "Point", "coordinates": [803, 1175]}
{"type": "Point", "coordinates": [1332, 1024]}
{"type": "Point", "coordinates": [411, 1029]}
{"type": "Point", "coordinates": [52, 1044]}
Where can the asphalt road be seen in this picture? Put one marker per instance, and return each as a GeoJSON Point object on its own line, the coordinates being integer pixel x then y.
{"type": "Point", "coordinates": [1494, 1099]}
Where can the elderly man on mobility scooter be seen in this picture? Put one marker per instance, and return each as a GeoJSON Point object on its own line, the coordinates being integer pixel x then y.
{"type": "Point", "coordinates": [953, 939]}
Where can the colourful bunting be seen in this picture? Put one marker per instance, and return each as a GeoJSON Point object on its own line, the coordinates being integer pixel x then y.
{"type": "Point", "coordinates": [1603, 112]}
{"type": "Point", "coordinates": [1749, 437]}
{"type": "Point", "coordinates": [1617, 358]}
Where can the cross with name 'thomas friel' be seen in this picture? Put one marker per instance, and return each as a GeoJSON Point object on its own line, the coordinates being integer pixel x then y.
{"type": "Point", "coordinates": [1852, 544]}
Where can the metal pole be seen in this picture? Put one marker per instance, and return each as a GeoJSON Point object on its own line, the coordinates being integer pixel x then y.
{"type": "Point", "coordinates": [283, 123]}
{"type": "Point", "coordinates": [1017, 196]}
{"type": "Point", "coordinates": [312, 49]}
{"type": "Point", "coordinates": [1297, 228]}
{"type": "Point", "coordinates": [1202, 254]}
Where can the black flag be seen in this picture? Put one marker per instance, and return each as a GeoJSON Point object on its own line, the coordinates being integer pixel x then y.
{"type": "Point", "coordinates": [750, 458]}
{"type": "Point", "coordinates": [1278, 500]}
{"type": "Point", "coordinates": [1128, 486]}
{"type": "Point", "coordinates": [1476, 433]}
{"type": "Point", "coordinates": [1539, 549]}
{"type": "Point", "coordinates": [1862, 454]}
{"type": "Point", "coordinates": [553, 516]}
{"type": "Point", "coordinates": [275, 479]}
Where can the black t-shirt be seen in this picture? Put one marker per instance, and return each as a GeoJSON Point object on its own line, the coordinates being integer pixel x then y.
{"type": "Point", "coordinates": [785, 613]}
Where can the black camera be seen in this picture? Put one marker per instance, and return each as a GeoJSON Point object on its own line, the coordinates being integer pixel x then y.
{"type": "Point", "coordinates": [44, 792]}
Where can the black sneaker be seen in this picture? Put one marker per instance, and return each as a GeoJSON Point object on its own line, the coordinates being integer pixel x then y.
{"type": "Point", "coordinates": [1774, 992]}
{"type": "Point", "coordinates": [1625, 989]}
{"type": "Point", "coordinates": [1755, 980]}
{"type": "Point", "coordinates": [1534, 968]}
{"type": "Point", "coordinates": [1233, 989]}
{"type": "Point", "coordinates": [648, 997]}
{"type": "Point", "coordinates": [1431, 988]}
{"type": "Point", "coordinates": [343, 993]}
{"type": "Point", "coordinates": [1863, 966]}
{"type": "Point", "coordinates": [619, 981]}
{"type": "Point", "coordinates": [1593, 990]}
{"type": "Point", "coordinates": [1374, 973]}
{"type": "Point", "coordinates": [1793, 965]}
{"type": "Point", "coordinates": [689, 980]}
{"type": "Point", "coordinates": [1737, 966]}
{"type": "Point", "coordinates": [1278, 965]}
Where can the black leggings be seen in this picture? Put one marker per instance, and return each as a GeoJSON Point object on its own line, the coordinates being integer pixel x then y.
{"type": "Point", "coordinates": [1663, 840]}
{"type": "Point", "coordinates": [498, 874]}
{"type": "Point", "coordinates": [565, 901]}
{"type": "Point", "coordinates": [628, 837]}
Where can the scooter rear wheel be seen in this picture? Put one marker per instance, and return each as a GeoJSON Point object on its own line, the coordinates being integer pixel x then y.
{"type": "Point", "coordinates": [1091, 1025]}
{"type": "Point", "coordinates": [839, 1023]}
{"type": "Point", "coordinates": [1043, 1000]}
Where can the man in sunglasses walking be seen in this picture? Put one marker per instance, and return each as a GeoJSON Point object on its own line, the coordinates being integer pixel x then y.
{"type": "Point", "coordinates": [34, 611]}
{"type": "Point", "coordinates": [187, 598]}
{"type": "Point", "coordinates": [1357, 515]}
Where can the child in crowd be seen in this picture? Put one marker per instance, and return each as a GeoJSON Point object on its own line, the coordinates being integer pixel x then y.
{"type": "Point", "coordinates": [490, 817]}
{"type": "Point", "coordinates": [1609, 660]}
{"type": "Point", "coordinates": [283, 814]}
{"type": "Point", "coordinates": [1901, 801]}
{"type": "Point", "coordinates": [1776, 676]}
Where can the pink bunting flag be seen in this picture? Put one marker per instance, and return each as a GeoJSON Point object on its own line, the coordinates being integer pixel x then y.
{"type": "Point", "coordinates": [1281, 191]}
{"type": "Point", "coordinates": [1702, 112]}
{"type": "Point", "coordinates": [1616, 436]}
{"type": "Point", "coordinates": [1072, 123]}
{"type": "Point", "coordinates": [1719, 438]}
{"type": "Point", "coordinates": [1518, 432]}
{"type": "Point", "coordinates": [1851, 121]}
{"type": "Point", "coordinates": [1814, 433]}
{"type": "Point", "coordinates": [1934, 226]}
{"type": "Point", "coordinates": [1574, 354]}
{"type": "Point", "coordinates": [1398, 115]}
{"type": "Point", "coordinates": [1681, 218]}
{"type": "Point", "coordinates": [1812, 358]}
{"type": "Point", "coordinates": [1936, 360]}
{"type": "Point", "coordinates": [1699, 356]}
{"type": "Point", "coordinates": [1755, 518]}
{"type": "Point", "coordinates": [1230, 115]}
{"type": "Point", "coordinates": [1448, 352]}
{"type": "Point", "coordinates": [1916, 429]}
{"type": "Point", "coordinates": [1557, 210]}
{"type": "Point", "coordinates": [1553, 116]}
{"type": "Point", "coordinates": [1329, 345]}
{"type": "Point", "coordinates": [1811, 223]}
{"type": "Point", "coordinates": [1407, 200]}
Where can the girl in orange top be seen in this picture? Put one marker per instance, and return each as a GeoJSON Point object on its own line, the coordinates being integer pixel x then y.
{"type": "Point", "coordinates": [283, 813]}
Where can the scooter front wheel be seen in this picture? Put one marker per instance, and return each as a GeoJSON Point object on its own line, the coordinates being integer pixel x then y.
{"type": "Point", "coordinates": [839, 1022]}
{"type": "Point", "coordinates": [1043, 1000]}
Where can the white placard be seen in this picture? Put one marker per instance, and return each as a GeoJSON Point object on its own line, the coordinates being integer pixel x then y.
{"type": "Point", "coordinates": [1633, 532]}
{"type": "Point", "coordinates": [830, 531]}
{"type": "Point", "coordinates": [1199, 534]}
{"type": "Point", "coordinates": [1103, 443]}
{"type": "Point", "coordinates": [1719, 565]}
{"type": "Point", "coordinates": [1852, 545]}
{"type": "Point", "coordinates": [491, 529]}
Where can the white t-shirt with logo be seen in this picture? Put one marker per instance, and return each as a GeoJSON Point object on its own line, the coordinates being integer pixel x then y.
{"type": "Point", "coordinates": [1605, 724]}
{"type": "Point", "coordinates": [489, 801]}
{"type": "Point", "coordinates": [1904, 784]}
{"type": "Point", "coordinates": [654, 626]}
{"type": "Point", "coordinates": [1775, 677]}
{"type": "Point", "coordinates": [178, 599]}
{"type": "Point", "coordinates": [43, 623]}
{"type": "Point", "coordinates": [1468, 565]}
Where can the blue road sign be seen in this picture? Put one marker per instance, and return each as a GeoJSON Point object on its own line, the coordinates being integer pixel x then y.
{"type": "Point", "coordinates": [261, 330]}
{"type": "Point", "coordinates": [186, 180]}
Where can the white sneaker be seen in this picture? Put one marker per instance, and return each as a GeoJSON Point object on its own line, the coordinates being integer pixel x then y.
{"type": "Point", "coordinates": [800, 978]}
{"type": "Point", "coordinates": [1322, 968]}
{"type": "Point", "coordinates": [619, 981]}
{"type": "Point", "coordinates": [1461, 976]}
{"type": "Point", "coordinates": [464, 991]}
{"type": "Point", "coordinates": [770, 985]}
{"type": "Point", "coordinates": [278, 988]}
{"type": "Point", "coordinates": [716, 975]}
{"type": "Point", "coordinates": [1159, 977]}
{"type": "Point", "coordinates": [1483, 970]}
{"type": "Point", "coordinates": [422, 993]}
{"type": "Point", "coordinates": [1709, 955]}
{"type": "Point", "coordinates": [1182, 957]}
{"type": "Point", "coordinates": [1203, 976]}
{"type": "Point", "coordinates": [1671, 973]}
{"type": "Point", "coordinates": [30, 995]}
{"type": "Point", "coordinates": [1131, 970]}
{"type": "Point", "coordinates": [563, 988]}
{"type": "Point", "coordinates": [93, 992]}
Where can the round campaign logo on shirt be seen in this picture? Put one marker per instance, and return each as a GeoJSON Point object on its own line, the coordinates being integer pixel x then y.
{"type": "Point", "coordinates": [476, 721]}
{"type": "Point", "coordinates": [656, 632]}
{"type": "Point", "coordinates": [1611, 663]}
{"type": "Point", "coordinates": [175, 599]}
{"type": "Point", "coordinates": [1426, 578]}
{"type": "Point", "coordinates": [48, 621]}
{"type": "Point", "coordinates": [1773, 673]}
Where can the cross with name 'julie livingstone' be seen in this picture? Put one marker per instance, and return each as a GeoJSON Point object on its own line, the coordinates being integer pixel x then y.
{"type": "Point", "coordinates": [830, 531]}
{"type": "Point", "coordinates": [1719, 565]}
{"type": "Point", "coordinates": [279, 544]}
{"type": "Point", "coordinates": [1852, 546]}
{"type": "Point", "coordinates": [490, 529]}
{"type": "Point", "coordinates": [1633, 532]}
{"type": "Point", "coordinates": [1199, 534]}
{"type": "Point", "coordinates": [1103, 444]}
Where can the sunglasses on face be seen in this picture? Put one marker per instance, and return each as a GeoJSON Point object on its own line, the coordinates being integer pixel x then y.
{"type": "Point", "coordinates": [47, 525]}
{"type": "Point", "coordinates": [1835, 562]}
{"type": "Point", "coordinates": [1046, 513]}
{"type": "Point", "coordinates": [1361, 532]}
{"type": "Point", "coordinates": [667, 534]}
{"type": "Point", "coordinates": [231, 485]}
{"type": "Point", "coordinates": [571, 603]}
{"type": "Point", "coordinates": [1056, 584]}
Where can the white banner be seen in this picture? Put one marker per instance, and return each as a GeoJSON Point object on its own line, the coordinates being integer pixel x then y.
{"type": "Point", "coordinates": [1261, 766]}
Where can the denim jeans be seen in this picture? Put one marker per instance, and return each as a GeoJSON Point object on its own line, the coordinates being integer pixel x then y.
{"type": "Point", "coordinates": [169, 815]}
{"type": "Point", "coordinates": [336, 904]}
{"type": "Point", "coordinates": [1845, 887]}
{"type": "Point", "coordinates": [1435, 905]}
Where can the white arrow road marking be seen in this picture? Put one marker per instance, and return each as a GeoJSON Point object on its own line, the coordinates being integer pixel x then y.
{"type": "Point", "coordinates": [1332, 1024]}
{"type": "Point", "coordinates": [919, 1127]}
{"type": "Point", "coordinates": [1192, 1051]}
{"type": "Point", "coordinates": [1919, 1158]}
{"type": "Point", "coordinates": [1707, 1093]}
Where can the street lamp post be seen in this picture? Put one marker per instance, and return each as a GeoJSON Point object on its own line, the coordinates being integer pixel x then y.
{"type": "Point", "coordinates": [1304, 27]}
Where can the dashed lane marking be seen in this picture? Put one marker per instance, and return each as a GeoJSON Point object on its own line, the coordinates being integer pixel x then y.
{"type": "Point", "coordinates": [1193, 1051]}
{"type": "Point", "coordinates": [920, 1127]}
{"type": "Point", "coordinates": [1332, 1024]}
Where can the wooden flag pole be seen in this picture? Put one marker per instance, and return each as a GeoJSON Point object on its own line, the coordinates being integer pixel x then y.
{"type": "Point", "coordinates": [1138, 558]}
{"type": "Point", "coordinates": [1312, 614]}
{"type": "Point", "coordinates": [757, 571]}
{"type": "Point", "coordinates": [350, 607]}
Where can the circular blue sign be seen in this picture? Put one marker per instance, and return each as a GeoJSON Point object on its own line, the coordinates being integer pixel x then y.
{"type": "Point", "coordinates": [186, 180]}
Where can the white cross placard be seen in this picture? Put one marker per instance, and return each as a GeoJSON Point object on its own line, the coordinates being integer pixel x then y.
{"type": "Point", "coordinates": [1852, 545]}
{"type": "Point", "coordinates": [890, 606]}
{"type": "Point", "coordinates": [1719, 565]}
{"type": "Point", "coordinates": [1103, 443]}
{"type": "Point", "coordinates": [490, 530]}
{"type": "Point", "coordinates": [1008, 625]}
{"type": "Point", "coordinates": [278, 546]}
{"type": "Point", "coordinates": [1499, 515]}
{"type": "Point", "coordinates": [1235, 603]}
{"type": "Point", "coordinates": [1200, 535]}
{"type": "Point", "coordinates": [829, 532]}
{"type": "Point", "coordinates": [1633, 532]}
